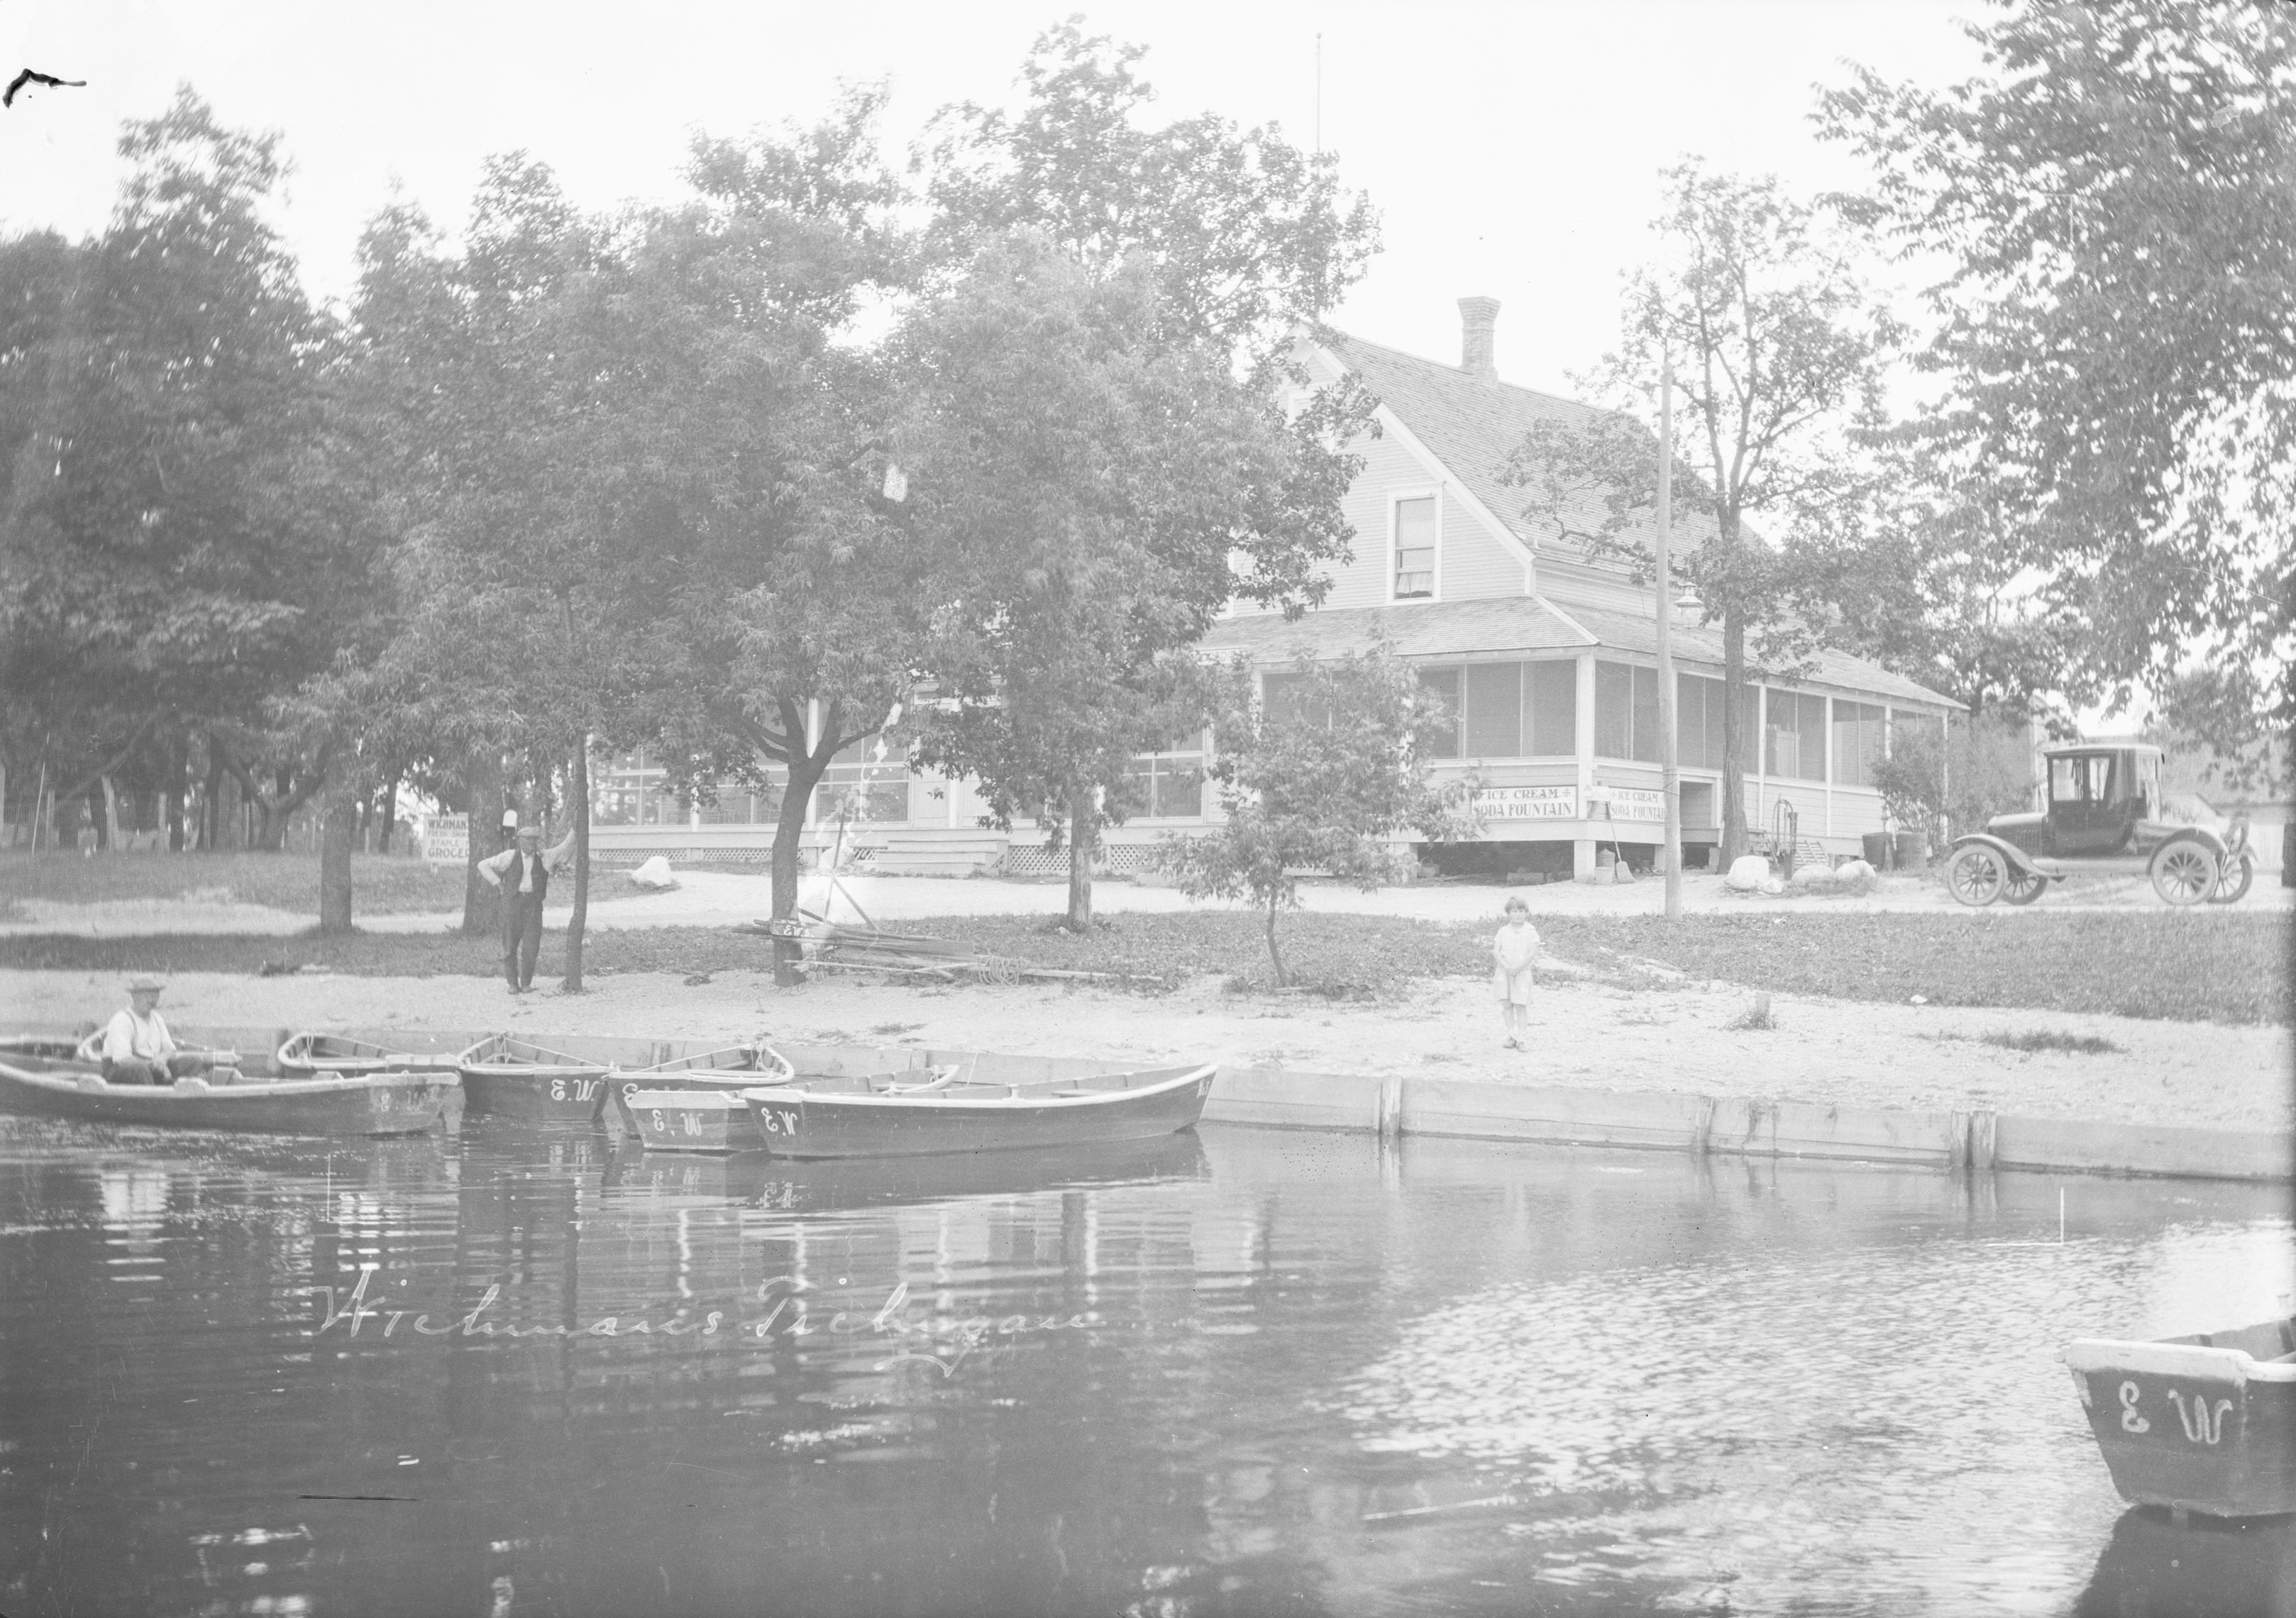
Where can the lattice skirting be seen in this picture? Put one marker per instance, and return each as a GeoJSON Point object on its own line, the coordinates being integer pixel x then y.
{"type": "Point", "coordinates": [1111, 859]}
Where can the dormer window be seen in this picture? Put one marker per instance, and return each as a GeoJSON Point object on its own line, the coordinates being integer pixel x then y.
{"type": "Point", "coordinates": [1414, 547]}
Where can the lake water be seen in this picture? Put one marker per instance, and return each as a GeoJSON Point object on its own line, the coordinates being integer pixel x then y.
{"type": "Point", "coordinates": [1244, 1372]}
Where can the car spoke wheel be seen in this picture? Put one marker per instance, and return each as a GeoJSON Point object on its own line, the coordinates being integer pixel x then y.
{"type": "Point", "coordinates": [1976, 876]}
{"type": "Point", "coordinates": [2184, 872]}
{"type": "Point", "coordinates": [2238, 872]}
{"type": "Point", "coordinates": [2024, 886]}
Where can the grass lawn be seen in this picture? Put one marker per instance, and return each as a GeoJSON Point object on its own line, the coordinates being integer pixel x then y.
{"type": "Point", "coordinates": [381, 884]}
{"type": "Point", "coordinates": [2204, 967]}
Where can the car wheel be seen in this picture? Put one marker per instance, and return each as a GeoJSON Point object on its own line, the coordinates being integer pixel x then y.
{"type": "Point", "coordinates": [1976, 875]}
{"type": "Point", "coordinates": [2184, 872]}
{"type": "Point", "coordinates": [2024, 886]}
{"type": "Point", "coordinates": [2238, 872]}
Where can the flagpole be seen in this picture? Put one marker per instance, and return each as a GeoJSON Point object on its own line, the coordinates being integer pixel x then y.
{"type": "Point", "coordinates": [1669, 773]}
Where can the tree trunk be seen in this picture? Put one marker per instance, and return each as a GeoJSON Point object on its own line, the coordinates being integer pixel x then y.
{"type": "Point", "coordinates": [578, 805]}
{"type": "Point", "coordinates": [107, 831]}
{"type": "Point", "coordinates": [179, 770]}
{"type": "Point", "coordinates": [219, 809]}
{"type": "Point", "coordinates": [1283, 979]}
{"type": "Point", "coordinates": [388, 813]}
{"type": "Point", "coordinates": [481, 914]}
{"type": "Point", "coordinates": [1082, 831]}
{"type": "Point", "coordinates": [340, 814]}
{"type": "Point", "coordinates": [804, 774]}
{"type": "Point", "coordinates": [1735, 741]}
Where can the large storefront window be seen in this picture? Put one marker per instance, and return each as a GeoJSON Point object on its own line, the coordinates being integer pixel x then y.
{"type": "Point", "coordinates": [1506, 710]}
{"type": "Point", "coordinates": [1796, 735]}
{"type": "Point", "coordinates": [1857, 741]}
{"type": "Point", "coordinates": [861, 785]}
{"type": "Point", "coordinates": [1166, 785]}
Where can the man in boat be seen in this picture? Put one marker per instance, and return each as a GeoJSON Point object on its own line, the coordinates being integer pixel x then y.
{"type": "Point", "coordinates": [524, 875]}
{"type": "Point", "coordinates": [138, 1048]}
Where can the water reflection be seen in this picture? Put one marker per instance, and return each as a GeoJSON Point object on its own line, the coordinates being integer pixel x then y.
{"type": "Point", "coordinates": [2153, 1568]}
{"type": "Point", "coordinates": [532, 1369]}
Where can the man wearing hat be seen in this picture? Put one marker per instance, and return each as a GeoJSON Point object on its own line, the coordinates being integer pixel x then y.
{"type": "Point", "coordinates": [524, 875]}
{"type": "Point", "coordinates": [138, 1048]}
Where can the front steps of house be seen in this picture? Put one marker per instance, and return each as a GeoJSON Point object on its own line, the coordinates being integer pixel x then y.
{"type": "Point", "coordinates": [934, 852]}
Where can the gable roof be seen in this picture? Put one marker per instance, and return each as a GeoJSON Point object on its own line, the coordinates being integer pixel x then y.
{"type": "Point", "coordinates": [1473, 424]}
{"type": "Point", "coordinates": [1418, 629]}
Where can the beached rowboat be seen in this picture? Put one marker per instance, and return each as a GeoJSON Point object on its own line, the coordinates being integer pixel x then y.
{"type": "Point", "coordinates": [386, 1104]}
{"type": "Point", "coordinates": [513, 1078]}
{"type": "Point", "coordinates": [693, 1119]}
{"type": "Point", "coordinates": [2205, 1423]}
{"type": "Point", "coordinates": [306, 1055]}
{"type": "Point", "coordinates": [91, 1051]}
{"type": "Point", "coordinates": [885, 1116]}
{"type": "Point", "coordinates": [728, 1072]}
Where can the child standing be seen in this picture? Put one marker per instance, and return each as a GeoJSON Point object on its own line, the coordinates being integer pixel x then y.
{"type": "Point", "coordinates": [1514, 954]}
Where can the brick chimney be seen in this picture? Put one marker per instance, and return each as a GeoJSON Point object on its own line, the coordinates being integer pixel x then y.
{"type": "Point", "coordinates": [1478, 319]}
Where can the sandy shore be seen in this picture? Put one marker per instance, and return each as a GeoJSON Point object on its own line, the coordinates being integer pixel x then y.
{"type": "Point", "coordinates": [1848, 1053]}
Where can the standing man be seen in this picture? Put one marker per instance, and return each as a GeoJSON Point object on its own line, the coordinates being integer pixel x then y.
{"type": "Point", "coordinates": [524, 875]}
{"type": "Point", "coordinates": [138, 1048]}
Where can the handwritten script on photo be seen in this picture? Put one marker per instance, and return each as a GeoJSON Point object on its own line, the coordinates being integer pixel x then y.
{"type": "Point", "coordinates": [941, 1341]}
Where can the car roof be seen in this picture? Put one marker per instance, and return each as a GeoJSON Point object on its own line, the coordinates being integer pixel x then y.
{"type": "Point", "coordinates": [2065, 749]}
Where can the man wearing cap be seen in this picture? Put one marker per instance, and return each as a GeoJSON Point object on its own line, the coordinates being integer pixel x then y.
{"type": "Point", "coordinates": [138, 1048]}
{"type": "Point", "coordinates": [524, 875]}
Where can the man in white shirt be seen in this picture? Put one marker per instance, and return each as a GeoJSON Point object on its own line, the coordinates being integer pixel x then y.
{"type": "Point", "coordinates": [138, 1048]}
{"type": "Point", "coordinates": [524, 875]}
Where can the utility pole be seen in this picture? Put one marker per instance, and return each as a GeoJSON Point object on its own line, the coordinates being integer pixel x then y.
{"type": "Point", "coordinates": [1669, 773]}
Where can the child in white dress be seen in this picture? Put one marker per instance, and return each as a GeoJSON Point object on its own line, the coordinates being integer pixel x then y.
{"type": "Point", "coordinates": [1514, 955]}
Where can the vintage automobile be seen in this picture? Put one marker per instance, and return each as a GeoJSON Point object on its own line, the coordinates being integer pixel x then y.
{"type": "Point", "coordinates": [2105, 814]}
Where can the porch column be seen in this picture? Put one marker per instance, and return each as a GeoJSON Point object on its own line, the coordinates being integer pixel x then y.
{"type": "Point", "coordinates": [1582, 849]}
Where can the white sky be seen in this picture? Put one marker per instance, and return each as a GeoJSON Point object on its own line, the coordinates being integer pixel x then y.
{"type": "Point", "coordinates": [1511, 150]}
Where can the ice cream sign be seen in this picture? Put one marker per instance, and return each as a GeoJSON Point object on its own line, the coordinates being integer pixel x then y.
{"type": "Point", "coordinates": [1526, 802]}
{"type": "Point", "coordinates": [1635, 803]}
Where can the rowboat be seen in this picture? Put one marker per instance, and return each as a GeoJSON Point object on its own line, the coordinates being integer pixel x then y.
{"type": "Point", "coordinates": [515, 1078]}
{"type": "Point", "coordinates": [386, 1104]}
{"type": "Point", "coordinates": [308, 1054]}
{"type": "Point", "coordinates": [59, 1047]}
{"type": "Point", "coordinates": [728, 1072]}
{"type": "Point", "coordinates": [2205, 1423]}
{"type": "Point", "coordinates": [91, 1051]}
{"type": "Point", "coordinates": [882, 1115]}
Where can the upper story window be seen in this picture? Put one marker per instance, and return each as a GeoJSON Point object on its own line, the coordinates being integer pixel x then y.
{"type": "Point", "coordinates": [1414, 547]}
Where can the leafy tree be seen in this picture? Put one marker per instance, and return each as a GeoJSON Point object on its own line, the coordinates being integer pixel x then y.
{"type": "Point", "coordinates": [1778, 349]}
{"type": "Point", "coordinates": [168, 566]}
{"type": "Point", "coordinates": [1243, 234]}
{"type": "Point", "coordinates": [802, 594]}
{"type": "Point", "coordinates": [1087, 490]}
{"type": "Point", "coordinates": [657, 480]}
{"type": "Point", "coordinates": [2118, 194]}
{"type": "Point", "coordinates": [1910, 566]}
{"type": "Point", "coordinates": [1302, 790]}
{"type": "Point", "coordinates": [1138, 485]}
